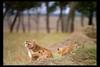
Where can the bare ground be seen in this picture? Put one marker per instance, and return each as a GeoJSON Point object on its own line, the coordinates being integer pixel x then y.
{"type": "Point", "coordinates": [42, 23]}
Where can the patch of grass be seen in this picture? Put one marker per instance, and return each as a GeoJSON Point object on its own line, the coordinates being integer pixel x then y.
{"type": "Point", "coordinates": [85, 56]}
{"type": "Point", "coordinates": [53, 38]}
{"type": "Point", "coordinates": [92, 53]}
{"type": "Point", "coordinates": [56, 56]}
{"type": "Point", "coordinates": [14, 51]}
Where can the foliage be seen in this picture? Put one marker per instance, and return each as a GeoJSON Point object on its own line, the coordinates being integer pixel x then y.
{"type": "Point", "coordinates": [85, 7]}
{"type": "Point", "coordinates": [17, 5]}
{"type": "Point", "coordinates": [52, 8]}
{"type": "Point", "coordinates": [56, 4]}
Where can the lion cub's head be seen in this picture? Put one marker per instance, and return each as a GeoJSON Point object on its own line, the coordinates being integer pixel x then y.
{"type": "Point", "coordinates": [64, 50]}
{"type": "Point", "coordinates": [67, 49]}
{"type": "Point", "coordinates": [59, 50]}
{"type": "Point", "coordinates": [30, 44]}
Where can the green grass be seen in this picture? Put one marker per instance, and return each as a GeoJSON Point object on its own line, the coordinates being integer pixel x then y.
{"type": "Point", "coordinates": [86, 55]}
{"type": "Point", "coordinates": [14, 50]}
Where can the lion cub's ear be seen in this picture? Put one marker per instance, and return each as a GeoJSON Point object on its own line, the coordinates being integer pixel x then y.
{"type": "Point", "coordinates": [35, 42]}
{"type": "Point", "coordinates": [25, 42]}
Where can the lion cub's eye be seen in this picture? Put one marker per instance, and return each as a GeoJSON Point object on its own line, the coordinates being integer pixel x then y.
{"type": "Point", "coordinates": [28, 44]}
{"type": "Point", "coordinates": [58, 49]}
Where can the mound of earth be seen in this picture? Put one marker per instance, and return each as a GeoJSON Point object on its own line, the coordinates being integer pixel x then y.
{"type": "Point", "coordinates": [90, 31]}
{"type": "Point", "coordinates": [77, 37]}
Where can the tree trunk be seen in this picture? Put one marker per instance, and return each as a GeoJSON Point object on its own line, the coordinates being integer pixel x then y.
{"type": "Point", "coordinates": [19, 21]}
{"type": "Point", "coordinates": [72, 22]}
{"type": "Point", "coordinates": [66, 23]}
{"type": "Point", "coordinates": [60, 19]}
{"type": "Point", "coordinates": [90, 18]}
{"type": "Point", "coordinates": [96, 18]}
{"type": "Point", "coordinates": [23, 26]}
{"type": "Point", "coordinates": [47, 19]}
{"type": "Point", "coordinates": [14, 21]}
{"type": "Point", "coordinates": [37, 20]}
{"type": "Point", "coordinates": [57, 24]}
{"type": "Point", "coordinates": [69, 26]}
{"type": "Point", "coordinates": [29, 24]}
{"type": "Point", "coordinates": [61, 16]}
{"type": "Point", "coordinates": [5, 12]}
{"type": "Point", "coordinates": [8, 20]}
{"type": "Point", "coordinates": [82, 20]}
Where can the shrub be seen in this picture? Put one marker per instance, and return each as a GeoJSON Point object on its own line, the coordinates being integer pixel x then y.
{"type": "Point", "coordinates": [90, 31]}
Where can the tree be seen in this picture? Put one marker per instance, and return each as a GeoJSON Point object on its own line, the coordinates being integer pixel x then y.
{"type": "Point", "coordinates": [47, 18]}
{"type": "Point", "coordinates": [37, 20]}
{"type": "Point", "coordinates": [69, 25]}
{"type": "Point", "coordinates": [23, 26]}
{"type": "Point", "coordinates": [49, 10]}
{"type": "Point", "coordinates": [20, 7]}
{"type": "Point", "coordinates": [15, 6]}
{"type": "Point", "coordinates": [19, 21]}
{"type": "Point", "coordinates": [62, 6]}
{"type": "Point", "coordinates": [29, 24]}
{"type": "Point", "coordinates": [87, 8]}
{"type": "Point", "coordinates": [34, 5]}
{"type": "Point", "coordinates": [8, 18]}
{"type": "Point", "coordinates": [82, 20]}
{"type": "Point", "coordinates": [53, 7]}
{"type": "Point", "coordinates": [7, 6]}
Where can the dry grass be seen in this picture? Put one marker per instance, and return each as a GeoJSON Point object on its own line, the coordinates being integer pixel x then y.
{"type": "Point", "coordinates": [16, 54]}
{"type": "Point", "coordinates": [85, 56]}
{"type": "Point", "coordinates": [90, 32]}
{"type": "Point", "coordinates": [14, 50]}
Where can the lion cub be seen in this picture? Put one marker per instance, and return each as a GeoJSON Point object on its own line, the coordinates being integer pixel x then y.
{"type": "Point", "coordinates": [66, 50]}
{"type": "Point", "coordinates": [35, 51]}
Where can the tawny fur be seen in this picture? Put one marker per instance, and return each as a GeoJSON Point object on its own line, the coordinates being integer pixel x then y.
{"type": "Point", "coordinates": [66, 50]}
{"type": "Point", "coordinates": [35, 51]}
